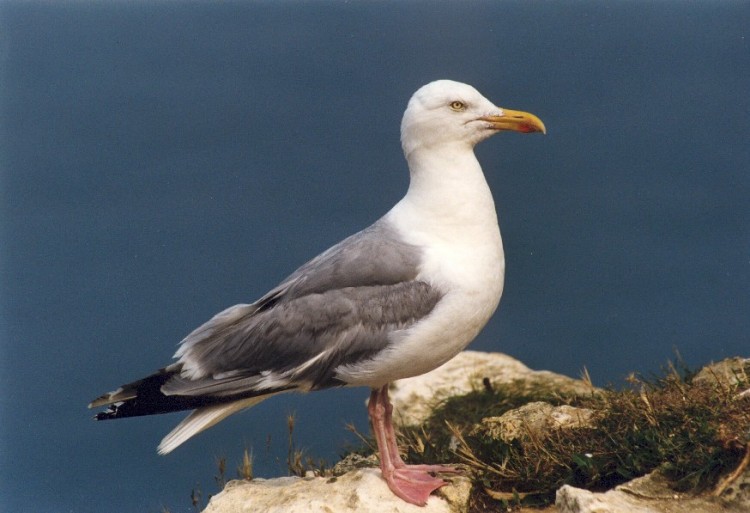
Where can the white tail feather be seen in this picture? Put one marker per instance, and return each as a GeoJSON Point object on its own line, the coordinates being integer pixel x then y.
{"type": "Point", "coordinates": [202, 419]}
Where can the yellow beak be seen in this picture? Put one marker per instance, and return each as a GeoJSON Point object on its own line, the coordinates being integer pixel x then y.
{"type": "Point", "coordinates": [516, 120]}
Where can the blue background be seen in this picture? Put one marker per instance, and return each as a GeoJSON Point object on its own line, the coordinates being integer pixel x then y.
{"type": "Point", "coordinates": [162, 161]}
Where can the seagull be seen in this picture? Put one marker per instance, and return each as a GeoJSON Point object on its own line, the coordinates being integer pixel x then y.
{"type": "Point", "coordinates": [396, 300]}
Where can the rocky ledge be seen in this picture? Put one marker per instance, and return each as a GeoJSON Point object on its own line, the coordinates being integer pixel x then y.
{"type": "Point", "coordinates": [361, 490]}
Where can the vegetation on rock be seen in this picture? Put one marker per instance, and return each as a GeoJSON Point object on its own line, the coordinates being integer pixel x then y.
{"type": "Point", "coordinates": [692, 431]}
{"type": "Point", "coordinates": [693, 428]}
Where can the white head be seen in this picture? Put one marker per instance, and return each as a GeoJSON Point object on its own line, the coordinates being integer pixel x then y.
{"type": "Point", "coordinates": [445, 112]}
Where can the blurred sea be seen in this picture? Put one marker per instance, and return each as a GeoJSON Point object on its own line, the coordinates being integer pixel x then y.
{"type": "Point", "coordinates": [161, 161]}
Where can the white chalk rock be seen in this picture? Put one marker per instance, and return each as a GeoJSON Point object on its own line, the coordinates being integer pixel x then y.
{"type": "Point", "coordinates": [360, 491]}
{"type": "Point", "coordinates": [414, 398]}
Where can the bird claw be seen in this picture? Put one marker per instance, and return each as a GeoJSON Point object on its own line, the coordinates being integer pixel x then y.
{"type": "Point", "coordinates": [413, 484]}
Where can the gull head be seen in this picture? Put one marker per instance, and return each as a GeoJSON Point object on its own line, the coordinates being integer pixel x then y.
{"type": "Point", "coordinates": [448, 113]}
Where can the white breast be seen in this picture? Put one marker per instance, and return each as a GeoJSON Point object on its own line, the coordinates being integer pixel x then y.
{"type": "Point", "coordinates": [453, 220]}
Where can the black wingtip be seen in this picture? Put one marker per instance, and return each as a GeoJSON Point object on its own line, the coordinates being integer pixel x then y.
{"type": "Point", "coordinates": [109, 413]}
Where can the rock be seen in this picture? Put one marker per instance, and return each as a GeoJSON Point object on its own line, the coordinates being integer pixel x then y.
{"type": "Point", "coordinates": [737, 494]}
{"type": "Point", "coordinates": [360, 491]}
{"type": "Point", "coordinates": [457, 494]}
{"type": "Point", "coordinates": [535, 419]}
{"type": "Point", "coordinates": [575, 500]}
{"type": "Point", "coordinates": [414, 398]}
{"type": "Point", "coordinates": [650, 486]}
{"type": "Point", "coordinates": [652, 494]}
{"type": "Point", "coordinates": [728, 373]}
{"type": "Point", "coordinates": [354, 461]}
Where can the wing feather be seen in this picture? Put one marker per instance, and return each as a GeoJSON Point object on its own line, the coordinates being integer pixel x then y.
{"type": "Point", "coordinates": [336, 309]}
{"type": "Point", "coordinates": [202, 419]}
{"type": "Point", "coordinates": [337, 327]}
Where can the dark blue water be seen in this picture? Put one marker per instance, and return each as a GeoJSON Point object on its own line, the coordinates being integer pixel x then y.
{"type": "Point", "coordinates": [161, 162]}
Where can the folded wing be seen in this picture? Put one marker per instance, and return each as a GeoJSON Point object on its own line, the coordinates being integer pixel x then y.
{"type": "Point", "coordinates": [338, 309]}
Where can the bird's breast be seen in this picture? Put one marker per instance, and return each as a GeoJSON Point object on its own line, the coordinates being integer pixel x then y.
{"type": "Point", "coordinates": [470, 277]}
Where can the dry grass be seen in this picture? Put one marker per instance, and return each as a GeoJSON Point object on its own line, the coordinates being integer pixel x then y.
{"type": "Point", "coordinates": [298, 462]}
{"type": "Point", "coordinates": [693, 433]}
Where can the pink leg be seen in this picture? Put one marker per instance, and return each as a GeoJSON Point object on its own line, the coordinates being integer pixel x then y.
{"type": "Point", "coordinates": [393, 447]}
{"type": "Point", "coordinates": [412, 483]}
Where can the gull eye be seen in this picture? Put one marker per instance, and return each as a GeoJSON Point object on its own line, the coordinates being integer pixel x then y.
{"type": "Point", "coordinates": [457, 106]}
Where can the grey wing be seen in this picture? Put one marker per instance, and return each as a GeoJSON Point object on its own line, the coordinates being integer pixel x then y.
{"type": "Point", "coordinates": [374, 256]}
{"type": "Point", "coordinates": [337, 309]}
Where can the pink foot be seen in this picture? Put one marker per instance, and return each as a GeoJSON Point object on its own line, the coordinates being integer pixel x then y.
{"type": "Point", "coordinates": [413, 485]}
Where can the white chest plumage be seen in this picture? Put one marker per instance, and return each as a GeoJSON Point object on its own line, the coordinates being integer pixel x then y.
{"type": "Point", "coordinates": [449, 213]}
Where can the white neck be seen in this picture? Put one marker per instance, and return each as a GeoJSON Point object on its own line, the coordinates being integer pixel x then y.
{"type": "Point", "coordinates": [448, 196]}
